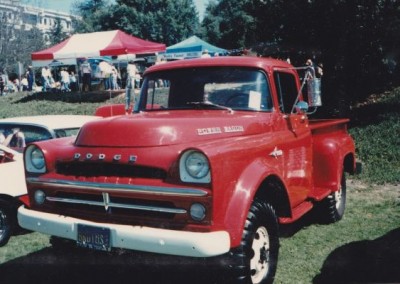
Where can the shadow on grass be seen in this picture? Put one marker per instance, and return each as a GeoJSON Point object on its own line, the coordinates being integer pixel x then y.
{"type": "Point", "coordinates": [376, 261]}
{"type": "Point", "coordinates": [50, 266]}
{"type": "Point", "coordinates": [72, 97]}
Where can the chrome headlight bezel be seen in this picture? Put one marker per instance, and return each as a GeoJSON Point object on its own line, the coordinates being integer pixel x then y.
{"type": "Point", "coordinates": [194, 167]}
{"type": "Point", "coordinates": [34, 160]}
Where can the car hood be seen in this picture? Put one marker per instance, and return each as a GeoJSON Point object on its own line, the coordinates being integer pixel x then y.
{"type": "Point", "coordinates": [167, 128]}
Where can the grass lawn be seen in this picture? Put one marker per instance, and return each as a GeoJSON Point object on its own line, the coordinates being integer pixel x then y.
{"type": "Point", "coordinates": [363, 247]}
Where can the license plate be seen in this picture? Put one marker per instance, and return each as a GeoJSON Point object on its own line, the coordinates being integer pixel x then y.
{"type": "Point", "coordinates": [96, 238]}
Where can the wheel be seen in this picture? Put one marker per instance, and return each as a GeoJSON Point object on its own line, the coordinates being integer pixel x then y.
{"type": "Point", "coordinates": [332, 208]}
{"type": "Point", "coordinates": [257, 257]}
{"type": "Point", "coordinates": [5, 224]}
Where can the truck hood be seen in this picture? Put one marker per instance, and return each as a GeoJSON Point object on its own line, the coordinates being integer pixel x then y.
{"type": "Point", "coordinates": [167, 128]}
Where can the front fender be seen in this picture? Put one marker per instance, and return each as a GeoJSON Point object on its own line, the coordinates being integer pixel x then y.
{"type": "Point", "coordinates": [242, 196]}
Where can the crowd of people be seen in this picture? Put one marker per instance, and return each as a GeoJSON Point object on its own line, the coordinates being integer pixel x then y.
{"type": "Point", "coordinates": [11, 86]}
{"type": "Point", "coordinates": [70, 81]}
{"type": "Point", "coordinates": [67, 80]}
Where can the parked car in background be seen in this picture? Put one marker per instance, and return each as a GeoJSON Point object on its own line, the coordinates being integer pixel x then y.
{"type": "Point", "coordinates": [12, 186]}
{"type": "Point", "coordinates": [29, 129]}
{"type": "Point", "coordinates": [12, 177]}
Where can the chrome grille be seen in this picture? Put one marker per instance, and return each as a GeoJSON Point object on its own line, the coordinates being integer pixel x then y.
{"type": "Point", "coordinates": [92, 169]}
{"type": "Point", "coordinates": [103, 203]}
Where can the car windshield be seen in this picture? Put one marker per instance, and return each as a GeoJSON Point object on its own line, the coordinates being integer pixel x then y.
{"type": "Point", "coordinates": [33, 133]}
{"type": "Point", "coordinates": [210, 88]}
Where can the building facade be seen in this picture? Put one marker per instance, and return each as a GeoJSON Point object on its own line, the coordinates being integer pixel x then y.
{"type": "Point", "coordinates": [27, 17]}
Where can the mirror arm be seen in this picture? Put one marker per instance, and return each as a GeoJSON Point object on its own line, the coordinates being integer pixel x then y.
{"type": "Point", "coordinates": [306, 77]}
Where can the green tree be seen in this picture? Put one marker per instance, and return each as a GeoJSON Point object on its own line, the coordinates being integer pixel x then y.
{"type": "Point", "coordinates": [229, 24]}
{"type": "Point", "coordinates": [90, 12]}
{"type": "Point", "coordinates": [17, 44]}
{"type": "Point", "coordinates": [57, 33]}
{"type": "Point", "coordinates": [357, 40]}
{"type": "Point", "coordinates": [159, 20]}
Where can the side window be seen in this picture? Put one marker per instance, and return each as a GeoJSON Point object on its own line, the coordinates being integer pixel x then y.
{"type": "Point", "coordinates": [157, 94]}
{"type": "Point", "coordinates": [286, 89]}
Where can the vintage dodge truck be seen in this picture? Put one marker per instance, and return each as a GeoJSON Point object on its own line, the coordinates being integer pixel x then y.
{"type": "Point", "coordinates": [216, 154]}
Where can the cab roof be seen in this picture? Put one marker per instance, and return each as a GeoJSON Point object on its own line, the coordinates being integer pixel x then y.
{"type": "Point", "coordinates": [240, 61]}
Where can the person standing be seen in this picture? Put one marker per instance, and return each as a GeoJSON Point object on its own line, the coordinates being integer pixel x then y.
{"type": "Point", "coordinates": [310, 70]}
{"type": "Point", "coordinates": [65, 80]}
{"type": "Point", "coordinates": [2, 84]}
{"type": "Point", "coordinates": [46, 75]}
{"type": "Point", "coordinates": [130, 84]}
{"type": "Point", "coordinates": [114, 78]}
{"type": "Point", "coordinates": [73, 82]}
{"type": "Point", "coordinates": [205, 54]}
{"type": "Point", "coordinates": [86, 72]}
{"type": "Point", "coordinates": [30, 78]}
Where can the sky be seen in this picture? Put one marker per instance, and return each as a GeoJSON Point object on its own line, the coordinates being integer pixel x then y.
{"type": "Point", "coordinates": [65, 5]}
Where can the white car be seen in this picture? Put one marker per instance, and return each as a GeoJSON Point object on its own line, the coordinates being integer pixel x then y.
{"type": "Point", "coordinates": [28, 129]}
{"type": "Point", "coordinates": [12, 175]}
{"type": "Point", "coordinates": [13, 185]}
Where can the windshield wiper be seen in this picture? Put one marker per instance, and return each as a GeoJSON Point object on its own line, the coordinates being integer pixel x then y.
{"type": "Point", "coordinates": [208, 103]}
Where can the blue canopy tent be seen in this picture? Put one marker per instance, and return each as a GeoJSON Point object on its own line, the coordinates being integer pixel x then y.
{"type": "Point", "coordinates": [192, 48]}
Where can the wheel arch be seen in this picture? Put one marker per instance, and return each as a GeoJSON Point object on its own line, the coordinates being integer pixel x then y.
{"type": "Point", "coordinates": [349, 163]}
{"type": "Point", "coordinates": [273, 191]}
{"type": "Point", "coordinates": [11, 203]}
{"type": "Point", "coordinates": [7, 198]}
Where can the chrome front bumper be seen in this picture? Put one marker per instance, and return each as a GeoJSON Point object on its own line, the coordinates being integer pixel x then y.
{"type": "Point", "coordinates": [182, 243]}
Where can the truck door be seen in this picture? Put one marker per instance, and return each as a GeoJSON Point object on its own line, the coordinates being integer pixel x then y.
{"type": "Point", "coordinates": [295, 141]}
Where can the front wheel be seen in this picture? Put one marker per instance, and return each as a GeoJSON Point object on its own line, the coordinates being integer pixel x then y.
{"type": "Point", "coordinates": [5, 224]}
{"type": "Point", "coordinates": [257, 257]}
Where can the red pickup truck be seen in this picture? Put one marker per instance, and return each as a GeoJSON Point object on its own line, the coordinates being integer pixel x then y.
{"type": "Point", "coordinates": [217, 153]}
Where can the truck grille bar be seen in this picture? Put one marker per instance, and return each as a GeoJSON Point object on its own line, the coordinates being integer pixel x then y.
{"type": "Point", "coordinates": [106, 203]}
{"type": "Point", "coordinates": [143, 189]}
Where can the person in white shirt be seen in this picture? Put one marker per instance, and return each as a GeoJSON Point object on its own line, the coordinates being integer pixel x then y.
{"type": "Point", "coordinates": [65, 80]}
{"type": "Point", "coordinates": [130, 84]}
{"type": "Point", "coordinates": [205, 54]}
{"type": "Point", "coordinates": [86, 72]}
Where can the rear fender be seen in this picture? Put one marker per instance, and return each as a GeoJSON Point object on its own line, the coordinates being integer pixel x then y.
{"type": "Point", "coordinates": [332, 156]}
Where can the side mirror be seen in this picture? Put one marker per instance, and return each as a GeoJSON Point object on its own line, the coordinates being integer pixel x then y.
{"type": "Point", "coordinates": [314, 92]}
{"type": "Point", "coordinates": [302, 106]}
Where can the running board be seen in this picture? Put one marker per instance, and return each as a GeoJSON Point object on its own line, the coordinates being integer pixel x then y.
{"type": "Point", "coordinates": [297, 212]}
{"type": "Point", "coordinates": [319, 193]}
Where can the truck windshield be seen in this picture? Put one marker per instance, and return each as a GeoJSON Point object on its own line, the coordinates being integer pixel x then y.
{"type": "Point", "coordinates": [210, 88]}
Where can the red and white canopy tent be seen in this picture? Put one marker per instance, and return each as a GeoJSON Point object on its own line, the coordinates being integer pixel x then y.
{"type": "Point", "coordinates": [108, 43]}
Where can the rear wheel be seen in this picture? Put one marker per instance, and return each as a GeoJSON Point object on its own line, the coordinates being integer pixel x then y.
{"type": "Point", "coordinates": [256, 259]}
{"type": "Point", "coordinates": [332, 208]}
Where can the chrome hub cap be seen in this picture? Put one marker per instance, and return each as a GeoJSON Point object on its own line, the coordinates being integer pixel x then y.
{"type": "Point", "coordinates": [259, 264]}
{"type": "Point", "coordinates": [338, 197]}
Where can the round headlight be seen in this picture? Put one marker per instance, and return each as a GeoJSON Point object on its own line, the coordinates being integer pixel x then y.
{"type": "Point", "coordinates": [196, 165]}
{"type": "Point", "coordinates": [197, 212]}
{"type": "Point", "coordinates": [34, 160]}
{"type": "Point", "coordinates": [37, 159]}
{"type": "Point", "coordinates": [40, 197]}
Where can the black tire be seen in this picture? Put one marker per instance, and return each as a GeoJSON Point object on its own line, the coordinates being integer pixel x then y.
{"type": "Point", "coordinates": [332, 208]}
{"type": "Point", "coordinates": [6, 223]}
{"type": "Point", "coordinates": [255, 261]}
